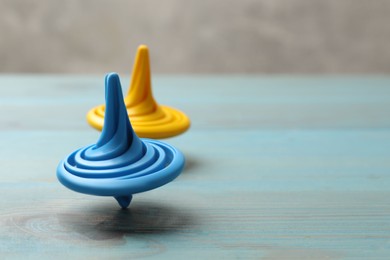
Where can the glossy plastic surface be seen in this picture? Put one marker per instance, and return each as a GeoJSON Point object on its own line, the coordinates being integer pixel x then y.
{"type": "Point", "coordinates": [148, 118]}
{"type": "Point", "coordinates": [120, 164]}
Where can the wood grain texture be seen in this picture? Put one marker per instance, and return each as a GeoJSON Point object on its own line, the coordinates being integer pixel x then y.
{"type": "Point", "coordinates": [277, 168]}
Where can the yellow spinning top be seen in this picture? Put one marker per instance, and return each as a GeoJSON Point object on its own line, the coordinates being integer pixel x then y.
{"type": "Point", "coordinates": [148, 118]}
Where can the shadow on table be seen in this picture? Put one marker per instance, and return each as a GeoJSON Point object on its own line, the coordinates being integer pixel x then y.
{"type": "Point", "coordinates": [102, 223]}
{"type": "Point", "coordinates": [192, 163]}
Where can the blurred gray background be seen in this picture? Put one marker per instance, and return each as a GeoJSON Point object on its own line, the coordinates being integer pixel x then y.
{"type": "Point", "coordinates": [193, 36]}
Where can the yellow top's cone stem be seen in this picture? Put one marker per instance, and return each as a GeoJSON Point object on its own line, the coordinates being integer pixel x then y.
{"type": "Point", "coordinates": [140, 100]}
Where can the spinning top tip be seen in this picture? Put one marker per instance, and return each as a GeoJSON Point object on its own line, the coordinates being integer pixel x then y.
{"type": "Point", "coordinates": [124, 201]}
{"type": "Point", "coordinates": [142, 47]}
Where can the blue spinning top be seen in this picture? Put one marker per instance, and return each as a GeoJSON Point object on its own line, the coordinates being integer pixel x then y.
{"type": "Point", "coordinates": [120, 164]}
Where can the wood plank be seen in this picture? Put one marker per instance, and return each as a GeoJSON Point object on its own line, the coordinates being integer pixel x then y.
{"type": "Point", "coordinates": [277, 168]}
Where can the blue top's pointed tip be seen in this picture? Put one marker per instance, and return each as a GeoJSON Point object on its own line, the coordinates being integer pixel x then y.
{"type": "Point", "coordinates": [115, 111]}
{"type": "Point", "coordinates": [114, 98]}
{"type": "Point", "coordinates": [116, 122]}
{"type": "Point", "coordinates": [112, 77]}
{"type": "Point", "coordinates": [112, 83]}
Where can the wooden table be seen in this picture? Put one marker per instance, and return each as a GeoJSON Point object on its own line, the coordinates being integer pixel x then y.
{"type": "Point", "coordinates": [277, 168]}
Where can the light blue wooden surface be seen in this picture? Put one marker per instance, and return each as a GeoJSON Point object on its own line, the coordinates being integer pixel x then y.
{"type": "Point", "coordinates": [277, 168]}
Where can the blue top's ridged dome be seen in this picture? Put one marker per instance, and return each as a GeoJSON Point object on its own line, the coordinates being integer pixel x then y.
{"type": "Point", "coordinates": [119, 164]}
